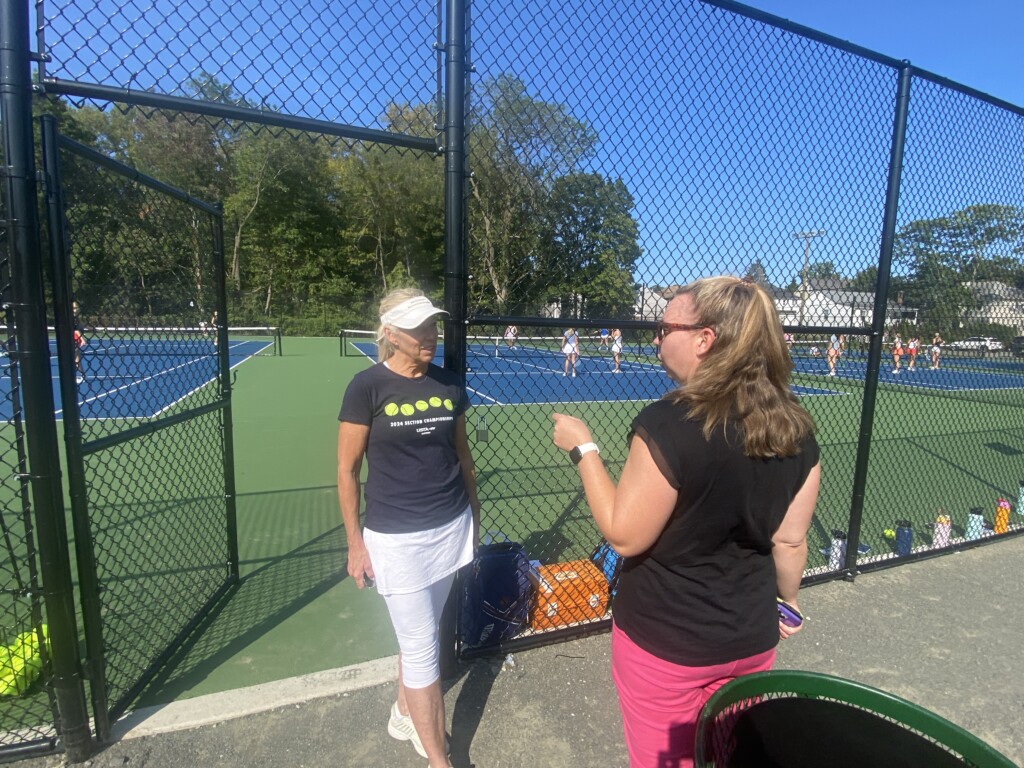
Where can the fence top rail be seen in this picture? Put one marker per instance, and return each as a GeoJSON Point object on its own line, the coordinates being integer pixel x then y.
{"type": "Point", "coordinates": [857, 50]}
{"type": "Point", "coordinates": [126, 170]}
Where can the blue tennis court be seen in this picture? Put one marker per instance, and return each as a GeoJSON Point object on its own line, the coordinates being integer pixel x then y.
{"type": "Point", "coordinates": [141, 376]}
{"type": "Point", "coordinates": [953, 375]}
{"type": "Point", "coordinates": [524, 375]}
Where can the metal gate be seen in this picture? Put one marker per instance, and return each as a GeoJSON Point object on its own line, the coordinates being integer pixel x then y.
{"type": "Point", "coordinates": [140, 329]}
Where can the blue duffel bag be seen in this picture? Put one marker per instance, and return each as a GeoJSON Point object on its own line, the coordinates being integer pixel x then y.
{"type": "Point", "coordinates": [610, 564]}
{"type": "Point", "coordinates": [496, 594]}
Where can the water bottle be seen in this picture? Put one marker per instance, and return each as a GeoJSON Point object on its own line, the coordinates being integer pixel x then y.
{"type": "Point", "coordinates": [943, 528]}
{"type": "Point", "coordinates": [1002, 522]}
{"type": "Point", "coordinates": [975, 524]}
{"type": "Point", "coordinates": [904, 537]}
{"type": "Point", "coordinates": [837, 553]}
{"type": "Point", "coordinates": [1020, 499]}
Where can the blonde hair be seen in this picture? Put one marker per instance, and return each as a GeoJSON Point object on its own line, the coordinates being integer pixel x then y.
{"type": "Point", "coordinates": [384, 348]}
{"type": "Point", "coordinates": [745, 374]}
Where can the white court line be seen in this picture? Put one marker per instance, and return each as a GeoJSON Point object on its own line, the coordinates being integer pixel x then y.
{"type": "Point", "coordinates": [485, 397]}
{"type": "Point", "coordinates": [131, 384]}
{"type": "Point", "coordinates": [58, 412]}
{"type": "Point", "coordinates": [204, 384]}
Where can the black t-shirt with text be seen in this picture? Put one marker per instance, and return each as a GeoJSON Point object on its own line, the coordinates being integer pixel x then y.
{"type": "Point", "coordinates": [413, 480]}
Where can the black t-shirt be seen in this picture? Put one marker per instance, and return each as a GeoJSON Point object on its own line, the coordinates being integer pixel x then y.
{"type": "Point", "coordinates": [413, 480]}
{"type": "Point", "coordinates": [704, 593]}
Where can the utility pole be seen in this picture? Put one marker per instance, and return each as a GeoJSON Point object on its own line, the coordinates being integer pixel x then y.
{"type": "Point", "coordinates": [806, 237]}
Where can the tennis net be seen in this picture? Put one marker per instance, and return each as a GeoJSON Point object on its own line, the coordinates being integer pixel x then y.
{"type": "Point", "coordinates": [362, 343]}
{"type": "Point", "coordinates": [171, 341]}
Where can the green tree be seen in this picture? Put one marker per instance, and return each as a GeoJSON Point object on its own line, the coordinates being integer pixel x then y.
{"type": "Point", "coordinates": [756, 272]}
{"type": "Point", "coordinates": [942, 254]}
{"type": "Point", "coordinates": [519, 146]}
{"type": "Point", "coordinates": [589, 246]}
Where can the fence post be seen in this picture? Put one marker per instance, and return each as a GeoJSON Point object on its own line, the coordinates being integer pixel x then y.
{"type": "Point", "coordinates": [224, 363]}
{"type": "Point", "coordinates": [33, 355]}
{"type": "Point", "coordinates": [455, 254]}
{"type": "Point", "coordinates": [867, 415]}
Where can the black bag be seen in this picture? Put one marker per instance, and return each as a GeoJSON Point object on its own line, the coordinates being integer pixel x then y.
{"type": "Point", "coordinates": [496, 594]}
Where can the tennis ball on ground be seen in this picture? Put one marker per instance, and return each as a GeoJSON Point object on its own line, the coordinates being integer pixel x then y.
{"type": "Point", "coordinates": [889, 533]}
{"type": "Point", "coordinates": [435, 402]}
{"type": "Point", "coordinates": [391, 409]}
{"type": "Point", "coordinates": [421, 405]}
{"type": "Point", "coordinates": [407, 410]}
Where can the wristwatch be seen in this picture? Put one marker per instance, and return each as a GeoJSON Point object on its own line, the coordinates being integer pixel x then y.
{"type": "Point", "coordinates": [577, 453]}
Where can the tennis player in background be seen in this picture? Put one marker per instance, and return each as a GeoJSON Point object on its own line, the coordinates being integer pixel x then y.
{"type": "Point", "coordinates": [711, 514]}
{"type": "Point", "coordinates": [617, 350]}
{"type": "Point", "coordinates": [511, 334]}
{"type": "Point", "coordinates": [406, 418]}
{"type": "Point", "coordinates": [78, 339]}
{"type": "Point", "coordinates": [571, 350]}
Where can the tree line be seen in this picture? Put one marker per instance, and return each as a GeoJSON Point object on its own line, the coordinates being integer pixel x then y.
{"type": "Point", "coordinates": [316, 229]}
{"type": "Point", "coordinates": [937, 265]}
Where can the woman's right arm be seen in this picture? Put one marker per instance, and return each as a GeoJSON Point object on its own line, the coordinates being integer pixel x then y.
{"type": "Point", "coordinates": [352, 440]}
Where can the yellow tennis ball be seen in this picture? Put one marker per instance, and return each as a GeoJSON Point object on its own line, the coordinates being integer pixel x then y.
{"type": "Point", "coordinates": [421, 405]}
{"type": "Point", "coordinates": [407, 410]}
{"type": "Point", "coordinates": [889, 533]}
{"type": "Point", "coordinates": [449, 404]}
{"type": "Point", "coordinates": [391, 409]}
{"type": "Point", "coordinates": [435, 402]}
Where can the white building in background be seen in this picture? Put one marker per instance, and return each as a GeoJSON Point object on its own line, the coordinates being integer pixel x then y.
{"type": "Point", "coordinates": [997, 303]}
{"type": "Point", "coordinates": [651, 302]}
{"type": "Point", "coordinates": [830, 301]}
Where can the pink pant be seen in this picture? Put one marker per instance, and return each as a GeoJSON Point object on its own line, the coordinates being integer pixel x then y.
{"type": "Point", "coordinates": [660, 701]}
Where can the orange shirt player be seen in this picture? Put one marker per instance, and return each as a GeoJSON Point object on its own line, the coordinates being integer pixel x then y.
{"type": "Point", "coordinates": [79, 341]}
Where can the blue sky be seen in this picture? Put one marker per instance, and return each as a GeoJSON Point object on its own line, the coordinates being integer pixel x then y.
{"type": "Point", "coordinates": [976, 43]}
{"type": "Point", "coordinates": [730, 135]}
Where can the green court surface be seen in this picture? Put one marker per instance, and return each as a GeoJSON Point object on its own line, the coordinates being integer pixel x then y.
{"type": "Point", "coordinates": [297, 612]}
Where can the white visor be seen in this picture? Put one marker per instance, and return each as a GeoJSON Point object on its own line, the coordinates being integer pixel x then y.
{"type": "Point", "coordinates": [411, 313]}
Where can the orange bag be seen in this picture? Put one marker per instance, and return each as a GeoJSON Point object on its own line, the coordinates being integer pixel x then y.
{"type": "Point", "coordinates": [567, 592]}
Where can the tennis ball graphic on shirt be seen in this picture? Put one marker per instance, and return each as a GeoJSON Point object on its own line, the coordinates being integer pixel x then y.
{"type": "Point", "coordinates": [421, 405]}
{"type": "Point", "coordinates": [435, 402]}
{"type": "Point", "coordinates": [407, 410]}
{"type": "Point", "coordinates": [449, 404]}
{"type": "Point", "coordinates": [391, 409]}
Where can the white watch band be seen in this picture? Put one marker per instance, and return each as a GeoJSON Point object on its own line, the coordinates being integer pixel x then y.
{"type": "Point", "coordinates": [577, 453]}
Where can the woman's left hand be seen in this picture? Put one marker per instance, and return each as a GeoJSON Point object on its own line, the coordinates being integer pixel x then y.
{"type": "Point", "coordinates": [569, 432]}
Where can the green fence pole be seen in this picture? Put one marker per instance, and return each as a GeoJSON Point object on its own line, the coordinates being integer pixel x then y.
{"type": "Point", "coordinates": [867, 414]}
{"type": "Point", "coordinates": [33, 356]}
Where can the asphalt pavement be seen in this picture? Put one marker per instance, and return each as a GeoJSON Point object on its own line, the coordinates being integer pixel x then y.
{"type": "Point", "coordinates": [944, 633]}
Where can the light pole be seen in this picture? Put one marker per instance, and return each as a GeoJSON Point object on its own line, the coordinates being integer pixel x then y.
{"type": "Point", "coordinates": [806, 237]}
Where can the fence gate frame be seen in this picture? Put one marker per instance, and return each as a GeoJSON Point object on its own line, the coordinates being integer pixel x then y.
{"type": "Point", "coordinates": [78, 447]}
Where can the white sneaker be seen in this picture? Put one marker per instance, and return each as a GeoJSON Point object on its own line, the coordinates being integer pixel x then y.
{"type": "Point", "coordinates": [574, 374]}
{"type": "Point", "coordinates": [79, 378]}
{"type": "Point", "coordinates": [400, 727]}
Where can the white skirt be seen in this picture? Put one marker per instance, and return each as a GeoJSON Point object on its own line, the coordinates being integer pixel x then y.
{"type": "Point", "coordinates": [409, 562]}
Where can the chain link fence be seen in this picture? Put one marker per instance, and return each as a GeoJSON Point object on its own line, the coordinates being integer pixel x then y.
{"type": "Point", "coordinates": [146, 412]}
{"type": "Point", "coordinates": [27, 706]}
{"type": "Point", "coordinates": [618, 153]}
{"type": "Point", "coordinates": [614, 153]}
